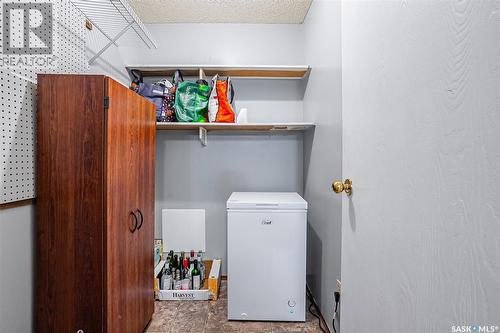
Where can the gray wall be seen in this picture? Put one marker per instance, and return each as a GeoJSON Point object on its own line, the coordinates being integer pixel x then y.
{"type": "Point", "coordinates": [323, 150]}
{"type": "Point", "coordinates": [243, 44]}
{"type": "Point", "coordinates": [192, 176]}
{"type": "Point", "coordinates": [421, 123]}
{"type": "Point", "coordinates": [16, 269]}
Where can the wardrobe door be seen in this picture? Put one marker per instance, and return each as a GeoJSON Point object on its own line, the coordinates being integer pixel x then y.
{"type": "Point", "coordinates": [69, 274]}
{"type": "Point", "coordinates": [146, 166]}
{"type": "Point", "coordinates": [122, 157]}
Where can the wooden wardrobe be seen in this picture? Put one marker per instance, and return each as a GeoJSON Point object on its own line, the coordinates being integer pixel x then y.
{"type": "Point", "coordinates": [95, 206]}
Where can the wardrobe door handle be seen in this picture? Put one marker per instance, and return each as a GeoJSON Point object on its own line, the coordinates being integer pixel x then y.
{"type": "Point", "coordinates": [135, 219]}
{"type": "Point", "coordinates": [142, 218]}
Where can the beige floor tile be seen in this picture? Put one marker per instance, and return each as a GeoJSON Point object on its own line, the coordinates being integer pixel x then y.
{"type": "Point", "coordinates": [217, 322]}
{"type": "Point", "coordinates": [279, 327]}
{"type": "Point", "coordinates": [190, 317]}
{"type": "Point", "coordinates": [159, 325]}
{"type": "Point", "coordinates": [255, 327]}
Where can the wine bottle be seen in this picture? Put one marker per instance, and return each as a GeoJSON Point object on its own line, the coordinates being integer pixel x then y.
{"type": "Point", "coordinates": [185, 284]}
{"type": "Point", "coordinates": [185, 269]}
{"type": "Point", "coordinates": [191, 266]}
{"type": "Point", "coordinates": [177, 284]}
{"type": "Point", "coordinates": [196, 276]}
{"type": "Point", "coordinates": [166, 281]}
{"type": "Point", "coordinates": [171, 256]}
{"type": "Point", "coordinates": [182, 256]}
{"type": "Point", "coordinates": [201, 266]}
{"type": "Point", "coordinates": [180, 268]}
{"type": "Point", "coordinates": [191, 257]}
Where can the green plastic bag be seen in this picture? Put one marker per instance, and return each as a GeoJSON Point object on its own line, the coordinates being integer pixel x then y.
{"type": "Point", "coordinates": [191, 101]}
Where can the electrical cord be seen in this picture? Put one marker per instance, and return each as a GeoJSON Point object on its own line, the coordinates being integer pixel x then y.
{"type": "Point", "coordinates": [337, 300]}
{"type": "Point", "coordinates": [320, 319]}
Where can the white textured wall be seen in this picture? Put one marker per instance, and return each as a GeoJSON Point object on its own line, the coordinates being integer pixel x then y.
{"type": "Point", "coordinates": [323, 150]}
{"type": "Point", "coordinates": [421, 121]}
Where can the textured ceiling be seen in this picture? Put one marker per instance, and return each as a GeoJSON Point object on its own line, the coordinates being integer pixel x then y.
{"type": "Point", "coordinates": [221, 11]}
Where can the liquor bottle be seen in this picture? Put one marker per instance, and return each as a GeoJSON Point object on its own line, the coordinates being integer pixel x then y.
{"type": "Point", "coordinates": [196, 276]}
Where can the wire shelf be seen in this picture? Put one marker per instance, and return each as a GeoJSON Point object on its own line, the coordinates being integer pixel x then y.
{"type": "Point", "coordinates": [113, 18]}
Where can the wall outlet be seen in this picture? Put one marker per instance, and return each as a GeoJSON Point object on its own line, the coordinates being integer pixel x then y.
{"type": "Point", "coordinates": [339, 286]}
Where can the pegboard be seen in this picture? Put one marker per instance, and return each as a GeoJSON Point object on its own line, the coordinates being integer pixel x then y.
{"type": "Point", "coordinates": [18, 101]}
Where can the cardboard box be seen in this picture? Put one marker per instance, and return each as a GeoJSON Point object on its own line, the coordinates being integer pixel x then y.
{"type": "Point", "coordinates": [209, 291]}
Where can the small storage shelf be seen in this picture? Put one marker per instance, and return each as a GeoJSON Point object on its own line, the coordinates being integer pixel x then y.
{"type": "Point", "coordinates": [249, 127]}
{"type": "Point", "coordinates": [240, 72]}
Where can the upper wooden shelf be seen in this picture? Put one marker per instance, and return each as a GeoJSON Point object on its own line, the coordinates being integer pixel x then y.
{"type": "Point", "coordinates": [245, 72]}
{"type": "Point", "coordinates": [249, 127]}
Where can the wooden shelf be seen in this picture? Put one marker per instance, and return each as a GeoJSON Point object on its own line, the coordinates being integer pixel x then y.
{"type": "Point", "coordinates": [256, 127]}
{"type": "Point", "coordinates": [204, 128]}
{"type": "Point", "coordinates": [240, 72]}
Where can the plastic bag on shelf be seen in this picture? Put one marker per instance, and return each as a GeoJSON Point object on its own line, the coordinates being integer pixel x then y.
{"type": "Point", "coordinates": [220, 108]}
{"type": "Point", "coordinates": [191, 101]}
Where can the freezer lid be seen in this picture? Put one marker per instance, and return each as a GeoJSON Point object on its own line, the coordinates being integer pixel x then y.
{"type": "Point", "coordinates": [266, 200]}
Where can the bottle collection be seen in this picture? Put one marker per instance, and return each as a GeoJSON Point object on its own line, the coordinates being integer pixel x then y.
{"type": "Point", "coordinates": [181, 272]}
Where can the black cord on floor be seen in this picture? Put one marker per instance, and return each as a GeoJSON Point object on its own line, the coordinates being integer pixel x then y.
{"type": "Point", "coordinates": [320, 319]}
{"type": "Point", "coordinates": [337, 300]}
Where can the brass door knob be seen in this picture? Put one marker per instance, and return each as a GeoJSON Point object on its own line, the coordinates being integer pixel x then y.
{"type": "Point", "coordinates": [346, 186]}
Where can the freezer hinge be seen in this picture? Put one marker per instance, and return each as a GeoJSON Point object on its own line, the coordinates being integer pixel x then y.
{"type": "Point", "coordinates": [106, 103]}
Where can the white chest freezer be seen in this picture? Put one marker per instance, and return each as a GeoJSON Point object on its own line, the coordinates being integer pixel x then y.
{"type": "Point", "coordinates": [266, 256]}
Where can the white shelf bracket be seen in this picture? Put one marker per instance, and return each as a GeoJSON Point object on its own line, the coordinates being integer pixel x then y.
{"type": "Point", "coordinates": [201, 74]}
{"type": "Point", "coordinates": [203, 136]}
